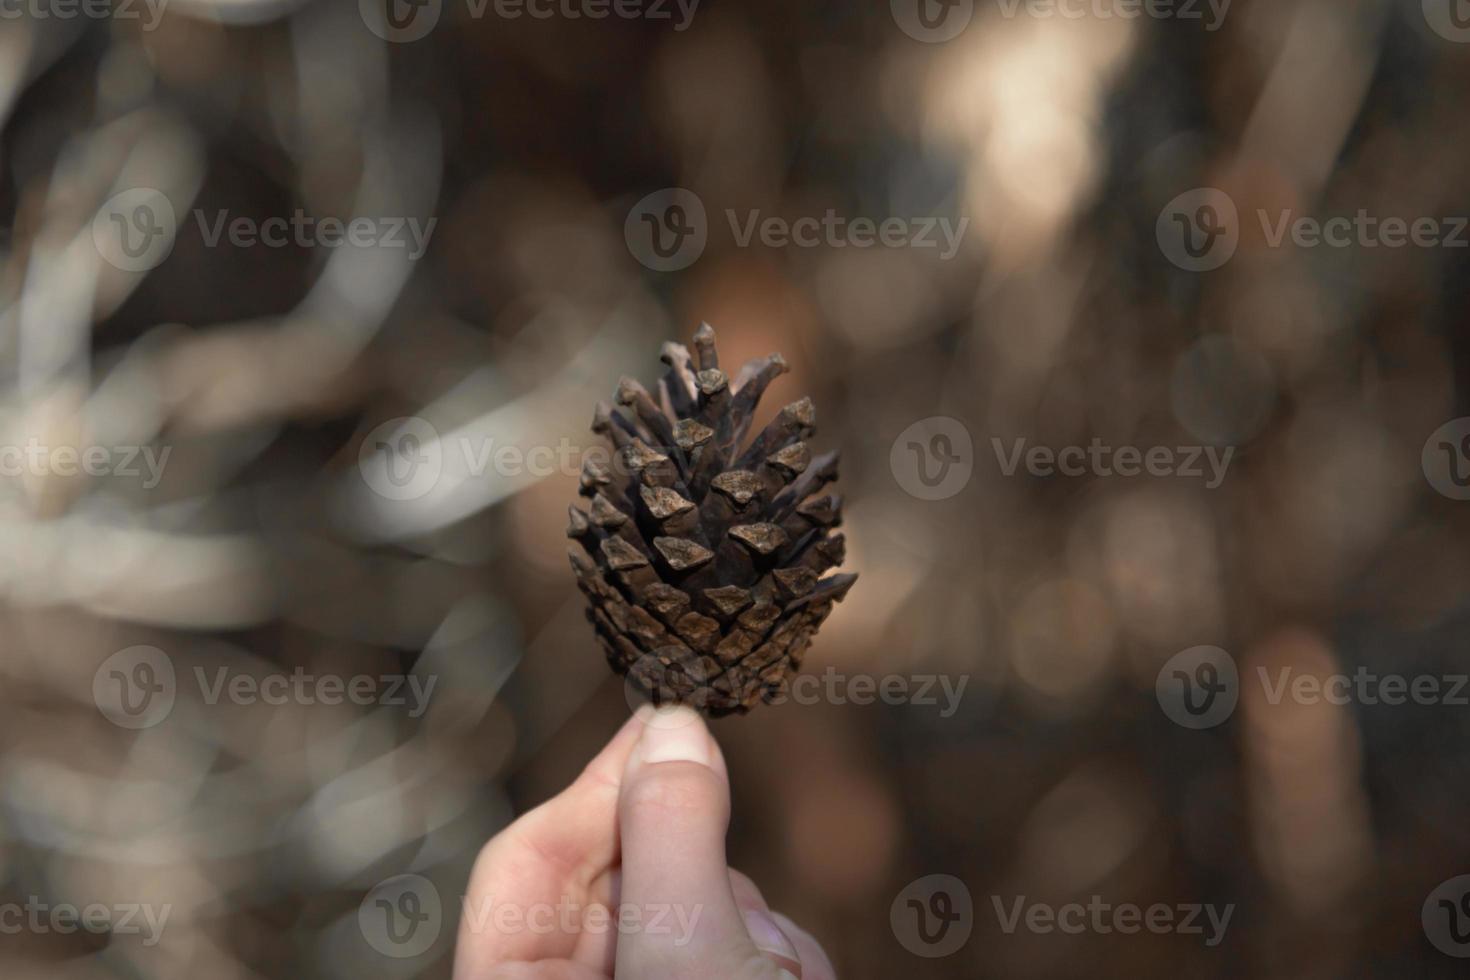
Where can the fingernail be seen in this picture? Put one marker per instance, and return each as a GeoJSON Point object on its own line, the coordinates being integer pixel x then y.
{"type": "Point", "coordinates": [674, 735]}
{"type": "Point", "coordinates": [768, 936]}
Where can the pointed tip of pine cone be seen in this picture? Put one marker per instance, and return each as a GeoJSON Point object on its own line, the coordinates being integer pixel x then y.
{"type": "Point", "coordinates": [674, 354]}
{"type": "Point", "coordinates": [577, 523]}
{"type": "Point", "coordinates": [628, 389]}
{"type": "Point", "coordinates": [802, 412]}
{"type": "Point", "coordinates": [712, 381]}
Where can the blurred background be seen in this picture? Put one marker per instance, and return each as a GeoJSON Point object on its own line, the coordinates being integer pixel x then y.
{"type": "Point", "coordinates": [461, 196]}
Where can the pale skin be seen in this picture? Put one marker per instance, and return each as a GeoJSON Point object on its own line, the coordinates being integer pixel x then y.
{"type": "Point", "coordinates": [625, 875]}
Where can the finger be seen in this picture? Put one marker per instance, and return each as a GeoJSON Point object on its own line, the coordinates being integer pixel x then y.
{"type": "Point", "coordinates": [544, 970]}
{"type": "Point", "coordinates": [673, 813]}
{"type": "Point", "coordinates": [545, 860]}
{"type": "Point", "coordinates": [816, 965]}
{"type": "Point", "coordinates": [747, 892]}
{"type": "Point", "coordinates": [597, 945]}
{"type": "Point", "coordinates": [763, 928]}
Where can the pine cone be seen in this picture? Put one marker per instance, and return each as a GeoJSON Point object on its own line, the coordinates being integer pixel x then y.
{"type": "Point", "coordinates": [701, 559]}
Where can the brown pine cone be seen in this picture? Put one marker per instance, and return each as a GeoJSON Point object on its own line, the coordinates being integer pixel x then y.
{"type": "Point", "coordinates": [701, 555]}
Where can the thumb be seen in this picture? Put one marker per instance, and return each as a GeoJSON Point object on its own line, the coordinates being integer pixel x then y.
{"type": "Point", "coordinates": [679, 919]}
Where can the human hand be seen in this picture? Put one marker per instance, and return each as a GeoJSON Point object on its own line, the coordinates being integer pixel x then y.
{"type": "Point", "coordinates": [624, 874]}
